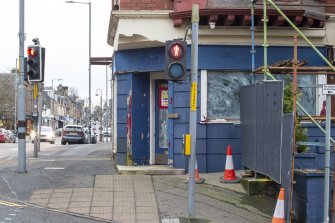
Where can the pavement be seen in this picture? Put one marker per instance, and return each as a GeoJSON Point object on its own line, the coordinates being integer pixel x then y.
{"type": "Point", "coordinates": [84, 183]}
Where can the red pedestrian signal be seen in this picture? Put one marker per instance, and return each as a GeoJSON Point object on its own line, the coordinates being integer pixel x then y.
{"type": "Point", "coordinates": [35, 63]}
{"type": "Point", "coordinates": [176, 51]}
{"type": "Point", "coordinates": [175, 60]}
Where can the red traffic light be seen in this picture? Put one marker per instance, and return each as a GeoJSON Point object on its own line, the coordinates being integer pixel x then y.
{"type": "Point", "coordinates": [176, 51]}
{"type": "Point", "coordinates": [31, 52]}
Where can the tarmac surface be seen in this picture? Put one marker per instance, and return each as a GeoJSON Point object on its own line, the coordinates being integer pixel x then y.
{"type": "Point", "coordinates": [81, 184]}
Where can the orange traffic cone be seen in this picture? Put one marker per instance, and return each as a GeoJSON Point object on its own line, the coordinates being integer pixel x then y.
{"type": "Point", "coordinates": [229, 173]}
{"type": "Point", "coordinates": [198, 179]}
{"type": "Point", "coordinates": [279, 215]}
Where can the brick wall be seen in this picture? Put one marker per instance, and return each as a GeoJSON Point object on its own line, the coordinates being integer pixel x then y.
{"type": "Point", "coordinates": [330, 9]}
{"type": "Point", "coordinates": [146, 4]}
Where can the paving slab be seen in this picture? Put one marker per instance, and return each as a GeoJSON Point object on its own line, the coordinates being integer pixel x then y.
{"type": "Point", "coordinates": [112, 197]}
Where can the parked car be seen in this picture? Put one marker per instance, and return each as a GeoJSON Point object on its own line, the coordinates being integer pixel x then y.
{"type": "Point", "coordinates": [73, 134]}
{"type": "Point", "coordinates": [12, 136]}
{"type": "Point", "coordinates": [47, 135]}
{"type": "Point", "coordinates": [3, 136]}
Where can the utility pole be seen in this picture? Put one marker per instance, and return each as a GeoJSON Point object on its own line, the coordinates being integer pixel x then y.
{"type": "Point", "coordinates": [21, 96]}
{"type": "Point", "coordinates": [107, 105]}
{"type": "Point", "coordinates": [193, 110]}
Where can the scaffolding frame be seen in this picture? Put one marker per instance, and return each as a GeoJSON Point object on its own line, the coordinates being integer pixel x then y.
{"type": "Point", "coordinates": [295, 69]}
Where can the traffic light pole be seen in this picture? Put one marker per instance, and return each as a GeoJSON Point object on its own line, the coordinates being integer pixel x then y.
{"type": "Point", "coordinates": [40, 109]}
{"type": "Point", "coordinates": [21, 96]}
{"type": "Point", "coordinates": [193, 110]}
{"type": "Point", "coordinates": [35, 118]}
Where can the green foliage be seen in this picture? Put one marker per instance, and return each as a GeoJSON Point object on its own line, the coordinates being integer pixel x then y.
{"type": "Point", "coordinates": [288, 96]}
{"type": "Point", "coordinates": [301, 134]}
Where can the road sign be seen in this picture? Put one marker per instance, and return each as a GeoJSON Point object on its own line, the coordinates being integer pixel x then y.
{"type": "Point", "coordinates": [328, 89]}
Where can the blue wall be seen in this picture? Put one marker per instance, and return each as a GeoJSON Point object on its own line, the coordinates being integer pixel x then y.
{"type": "Point", "coordinates": [123, 90]}
{"type": "Point", "coordinates": [212, 58]}
{"type": "Point", "coordinates": [212, 139]}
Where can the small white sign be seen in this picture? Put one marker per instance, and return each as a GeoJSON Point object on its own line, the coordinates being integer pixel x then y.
{"type": "Point", "coordinates": [328, 89]}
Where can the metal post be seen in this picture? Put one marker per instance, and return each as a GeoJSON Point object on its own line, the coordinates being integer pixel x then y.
{"type": "Point", "coordinates": [107, 111]}
{"type": "Point", "coordinates": [253, 51]}
{"type": "Point", "coordinates": [265, 20]}
{"type": "Point", "coordinates": [35, 119]}
{"type": "Point", "coordinates": [15, 96]}
{"type": "Point", "coordinates": [21, 97]}
{"type": "Point", "coordinates": [89, 73]}
{"type": "Point", "coordinates": [193, 109]}
{"type": "Point", "coordinates": [327, 161]}
{"type": "Point", "coordinates": [100, 116]}
{"type": "Point", "coordinates": [41, 95]}
{"type": "Point", "coordinates": [100, 128]}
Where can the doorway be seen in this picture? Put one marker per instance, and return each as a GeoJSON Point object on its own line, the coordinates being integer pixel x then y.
{"type": "Point", "coordinates": [161, 122]}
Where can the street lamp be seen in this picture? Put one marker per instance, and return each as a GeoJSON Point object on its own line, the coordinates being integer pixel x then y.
{"type": "Point", "coordinates": [89, 64]}
{"type": "Point", "coordinates": [53, 102]}
{"type": "Point", "coordinates": [96, 94]}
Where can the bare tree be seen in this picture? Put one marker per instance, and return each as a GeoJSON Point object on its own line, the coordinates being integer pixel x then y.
{"type": "Point", "coordinates": [7, 99]}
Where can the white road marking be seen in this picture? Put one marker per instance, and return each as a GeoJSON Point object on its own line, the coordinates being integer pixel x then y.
{"type": "Point", "coordinates": [168, 220]}
{"type": "Point", "coordinates": [54, 168]}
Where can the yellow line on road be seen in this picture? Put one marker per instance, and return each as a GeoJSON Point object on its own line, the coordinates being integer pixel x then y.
{"type": "Point", "coordinates": [10, 204]}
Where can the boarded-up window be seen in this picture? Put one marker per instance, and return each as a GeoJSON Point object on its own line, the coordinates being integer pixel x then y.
{"type": "Point", "coordinates": [222, 94]}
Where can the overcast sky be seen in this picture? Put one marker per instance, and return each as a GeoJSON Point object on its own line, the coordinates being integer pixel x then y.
{"type": "Point", "coordinates": [63, 30]}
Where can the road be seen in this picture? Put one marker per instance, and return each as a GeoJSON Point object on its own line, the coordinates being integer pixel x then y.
{"type": "Point", "coordinates": [9, 151]}
{"type": "Point", "coordinates": [57, 166]}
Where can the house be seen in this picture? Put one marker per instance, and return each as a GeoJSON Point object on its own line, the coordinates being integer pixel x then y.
{"type": "Point", "coordinates": [147, 130]}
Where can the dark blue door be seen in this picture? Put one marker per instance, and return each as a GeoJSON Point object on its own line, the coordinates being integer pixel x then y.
{"type": "Point", "coordinates": [140, 118]}
{"type": "Point", "coordinates": [161, 122]}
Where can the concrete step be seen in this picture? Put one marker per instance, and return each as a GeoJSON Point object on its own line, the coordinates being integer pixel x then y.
{"type": "Point", "coordinates": [149, 170]}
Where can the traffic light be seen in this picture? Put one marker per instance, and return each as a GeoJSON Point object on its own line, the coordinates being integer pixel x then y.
{"type": "Point", "coordinates": [35, 63]}
{"type": "Point", "coordinates": [175, 60]}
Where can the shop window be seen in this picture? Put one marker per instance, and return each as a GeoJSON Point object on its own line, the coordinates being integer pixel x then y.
{"type": "Point", "coordinates": [220, 94]}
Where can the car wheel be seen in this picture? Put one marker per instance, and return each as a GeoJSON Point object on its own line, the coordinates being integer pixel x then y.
{"type": "Point", "coordinates": [63, 142]}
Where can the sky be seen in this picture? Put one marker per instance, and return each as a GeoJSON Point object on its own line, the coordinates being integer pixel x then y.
{"type": "Point", "coordinates": [63, 29]}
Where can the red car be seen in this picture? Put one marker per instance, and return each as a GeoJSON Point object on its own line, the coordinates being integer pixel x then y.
{"type": "Point", "coordinates": [3, 136]}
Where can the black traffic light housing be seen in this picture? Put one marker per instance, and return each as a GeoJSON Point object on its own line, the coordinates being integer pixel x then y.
{"type": "Point", "coordinates": [175, 60]}
{"type": "Point", "coordinates": [35, 63]}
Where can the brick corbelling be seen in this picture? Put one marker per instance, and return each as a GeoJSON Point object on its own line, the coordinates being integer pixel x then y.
{"type": "Point", "coordinates": [146, 4]}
